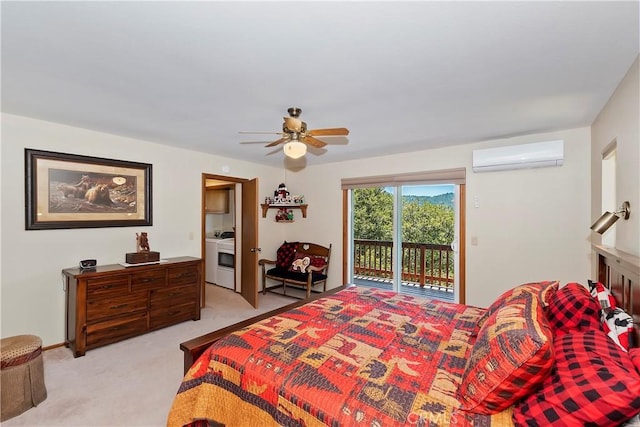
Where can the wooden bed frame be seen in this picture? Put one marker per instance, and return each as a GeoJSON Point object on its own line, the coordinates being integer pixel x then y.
{"type": "Point", "coordinates": [618, 270]}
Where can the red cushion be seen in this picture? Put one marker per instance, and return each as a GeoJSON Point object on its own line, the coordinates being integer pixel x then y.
{"type": "Point", "coordinates": [594, 383]}
{"type": "Point", "coordinates": [573, 308]}
{"type": "Point", "coordinates": [512, 355]}
{"type": "Point", "coordinates": [543, 290]}
{"type": "Point", "coordinates": [634, 354]}
{"type": "Point", "coordinates": [286, 254]}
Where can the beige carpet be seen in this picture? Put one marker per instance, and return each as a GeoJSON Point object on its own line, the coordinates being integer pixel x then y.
{"type": "Point", "coordinates": [133, 382]}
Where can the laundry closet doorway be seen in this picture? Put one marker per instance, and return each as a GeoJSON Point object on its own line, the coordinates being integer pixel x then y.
{"type": "Point", "coordinates": [230, 216]}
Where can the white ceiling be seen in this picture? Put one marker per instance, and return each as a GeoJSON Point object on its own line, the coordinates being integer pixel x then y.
{"type": "Point", "coordinates": [402, 76]}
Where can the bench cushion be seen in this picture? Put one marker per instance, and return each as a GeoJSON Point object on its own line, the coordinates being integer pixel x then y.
{"type": "Point", "coordinates": [284, 273]}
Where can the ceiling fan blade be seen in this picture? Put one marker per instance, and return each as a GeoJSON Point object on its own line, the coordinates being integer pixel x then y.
{"type": "Point", "coordinates": [328, 132]}
{"type": "Point", "coordinates": [313, 141]}
{"type": "Point", "coordinates": [293, 124]}
{"type": "Point", "coordinates": [268, 133]}
{"type": "Point", "coordinates": [277, 141]}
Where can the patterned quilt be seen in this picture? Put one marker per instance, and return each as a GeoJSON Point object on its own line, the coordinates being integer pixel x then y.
{"type": "Point", "coordinates": [360, 357]}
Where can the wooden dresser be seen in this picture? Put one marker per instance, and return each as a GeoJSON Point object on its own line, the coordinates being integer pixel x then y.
{"type": "Point", "coordinates": [110, 302]}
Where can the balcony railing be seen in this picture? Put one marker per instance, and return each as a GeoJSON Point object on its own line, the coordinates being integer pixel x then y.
{"type": "Point", "coordinates": [422, 263]}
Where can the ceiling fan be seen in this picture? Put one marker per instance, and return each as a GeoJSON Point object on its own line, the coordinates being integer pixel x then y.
{"type": "Point", "coordinates": [295, 135]}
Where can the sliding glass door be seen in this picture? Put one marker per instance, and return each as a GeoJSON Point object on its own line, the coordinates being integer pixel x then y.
{"type": "Point", "coordinates": [427, 240]}
{"type": "Point", "coordinates": [415, 227]}
{"type": "Point", "coordinates": [372, 242]}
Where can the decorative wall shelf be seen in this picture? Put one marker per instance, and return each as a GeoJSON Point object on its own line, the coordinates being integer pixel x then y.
{"type": "Point", "coordinates": [266, 207]}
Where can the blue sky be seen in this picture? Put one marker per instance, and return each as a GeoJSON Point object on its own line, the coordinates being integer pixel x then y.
{"type": "Point", "coordinates": [426, 190]}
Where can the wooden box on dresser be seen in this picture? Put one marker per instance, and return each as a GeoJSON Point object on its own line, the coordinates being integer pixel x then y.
{"type": "Point", "coordinates": [110, 303]}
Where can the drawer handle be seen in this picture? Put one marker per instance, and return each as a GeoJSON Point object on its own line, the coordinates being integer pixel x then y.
{"type": "Point", "coordinates": [107, 287]}
{"type": "Point", "coordinates": [116, 307]}
{"type": "Point", "coordinates": [116, 328]}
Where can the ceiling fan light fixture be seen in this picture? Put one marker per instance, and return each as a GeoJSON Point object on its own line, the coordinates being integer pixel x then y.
{"type": "Point", "coordinates": [296, 136]}
{"type": "Point", "coordinates": [294, 149]}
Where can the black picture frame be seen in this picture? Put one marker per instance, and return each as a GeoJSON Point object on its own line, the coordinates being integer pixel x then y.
{"type": "Point", "coordinates": [75, 191]}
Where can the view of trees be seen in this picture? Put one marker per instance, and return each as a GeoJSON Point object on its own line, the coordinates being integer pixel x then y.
{"type": "Point", "coordinates": [424, 219]}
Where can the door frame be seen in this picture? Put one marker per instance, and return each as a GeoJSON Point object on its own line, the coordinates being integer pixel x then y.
{"type": "Point", "coordinates": [203, 232]}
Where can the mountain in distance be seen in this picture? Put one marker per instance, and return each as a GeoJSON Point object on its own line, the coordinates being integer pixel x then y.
{"type": "Point", "coordinates": [445, 199]}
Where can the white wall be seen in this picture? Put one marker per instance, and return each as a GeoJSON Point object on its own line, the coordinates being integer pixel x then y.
{"type": "Point", "coordinates": [531, 224]}
{"type": "Point", "coordinates": [619, 121]}
{"type": "Point", "coordinates": [31, 283]}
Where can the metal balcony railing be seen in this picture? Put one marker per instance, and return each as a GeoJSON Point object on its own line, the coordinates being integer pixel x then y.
{"type": "Point", "coordinates": [422, 263]}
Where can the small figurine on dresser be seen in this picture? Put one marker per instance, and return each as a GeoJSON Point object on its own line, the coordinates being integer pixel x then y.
{"type": "Point", "coordinates": [142, 242]}
{"type": "Point", "coordinates": [143, 254]}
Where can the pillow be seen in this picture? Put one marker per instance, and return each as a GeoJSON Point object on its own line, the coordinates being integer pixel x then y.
{"type": "Point", "coordinates": [633, 422]}
{"type": "Point", "coordinates": [573, 308]}
{"type": "Point", "coordinates": [302, 261]}
{"type": "Point", "coordinates": [512, 355]}
{"type": "Point", "coordinates": [618, 325]}
{"type": "Point", "coordinates": [602, 294]}
{"type": "Point", "coordinates": [634, 354]}
{"type": "Point", "coordinates": [544, 291]}
{"type": "Point", "coordinates": [286, 254]}
{"type": "Point", "coordinates": [593, 383]}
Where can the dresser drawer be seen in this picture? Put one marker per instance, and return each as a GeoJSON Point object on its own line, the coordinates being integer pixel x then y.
{"type": "Point", "coordinates": [161, 317]}
{"type": "Point", "coordinates": [116, 330]}
{"type": "Point", "coordinates": [107, 287]}
{"type": "Point", "coordinates": [98, 308]}
{"type": "Point", "coordinates": [183, 275]}
{"type": "Point", "coordinates": [173, 296]}
{"type": "Point", "coordinates": [151, 279]}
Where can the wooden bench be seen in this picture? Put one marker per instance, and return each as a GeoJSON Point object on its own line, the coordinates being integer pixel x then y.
{"type": "Point", "coordinates": [303, 267]}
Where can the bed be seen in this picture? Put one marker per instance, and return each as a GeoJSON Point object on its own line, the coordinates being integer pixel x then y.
{"type": "Point", "coordinates": [541, 354]}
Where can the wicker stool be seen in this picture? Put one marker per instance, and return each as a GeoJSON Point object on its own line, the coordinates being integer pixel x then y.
{"type": "Point", "coordinates": [22, 375]}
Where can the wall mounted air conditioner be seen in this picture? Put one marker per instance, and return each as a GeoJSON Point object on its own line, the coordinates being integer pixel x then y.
{"type": "Point", "coordinates": [536, 155]}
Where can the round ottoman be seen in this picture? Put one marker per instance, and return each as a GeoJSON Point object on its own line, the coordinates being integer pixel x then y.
{"type": "Point", "coordinates": [21, 375]}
